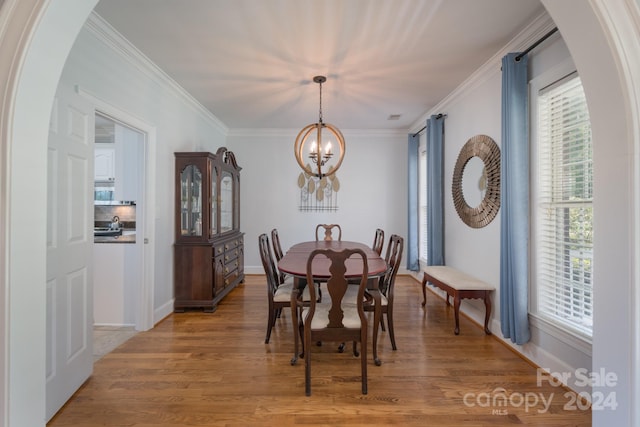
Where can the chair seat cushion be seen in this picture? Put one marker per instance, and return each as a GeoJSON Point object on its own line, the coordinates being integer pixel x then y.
{"type": "Point", "coordinates": [383, 300]}
{"type": "Point", "coordinates": [352, 295]}
{"type": "Point", "coordinates": [320, 319]}
{"type": "Point", "coordinates": [283, 293]}
{"type": "Point", "coordinates": [457, 279]}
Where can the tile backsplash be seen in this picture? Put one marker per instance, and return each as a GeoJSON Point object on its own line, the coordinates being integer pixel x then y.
{"type": "Point", "coordinates": [104, 214]}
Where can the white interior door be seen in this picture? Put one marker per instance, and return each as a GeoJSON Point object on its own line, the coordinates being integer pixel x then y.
{"type": "Point", "coordinates": [69, 248]}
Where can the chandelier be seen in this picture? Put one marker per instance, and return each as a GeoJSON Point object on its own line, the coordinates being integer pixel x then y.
{"type": "Point", "coordinates": [310, 139]}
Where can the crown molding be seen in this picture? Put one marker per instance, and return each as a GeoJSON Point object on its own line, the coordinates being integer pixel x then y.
{"type": "Point", "coordinates": [291, 133]}
{"type": "Point", "coordinates": [105, 33]}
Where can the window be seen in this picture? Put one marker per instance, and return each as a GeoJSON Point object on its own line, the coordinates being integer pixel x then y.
{"type": "Point", "coordinates": [422, 197]}
{"type": "Point", "coordinates": [564, 225]}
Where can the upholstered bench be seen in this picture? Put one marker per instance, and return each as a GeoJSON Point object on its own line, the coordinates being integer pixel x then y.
{"type": "Point", "coordinates": [458, 285]}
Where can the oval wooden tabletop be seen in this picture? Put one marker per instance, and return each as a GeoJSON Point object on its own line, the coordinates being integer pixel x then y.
{"type": "Point", "coordinates": [294, 262]}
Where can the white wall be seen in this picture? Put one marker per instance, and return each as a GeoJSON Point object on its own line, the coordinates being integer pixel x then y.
{"type": "Point", "coordinates": [473, 250]}
{"type": "Point", "coordinates": [121, 78]}
{"type": "Point", "coordinates": [372, 194]}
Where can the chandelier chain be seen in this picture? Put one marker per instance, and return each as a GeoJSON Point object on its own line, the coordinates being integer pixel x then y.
{"type": "Point", "coordinates": [320, 112]}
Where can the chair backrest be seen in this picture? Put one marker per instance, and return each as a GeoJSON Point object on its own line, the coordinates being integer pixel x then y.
{"type": "Point", "coordinates": [337, 285]}
{"type": "Point", "coordinates": [275, 241]}
{"type": "Point", "coordinates": [270, 270]}
{"type": "Point", "coordinates": [393, 258]}
{"type": "Point", "coordinates": [328, 230]}
{"type": "Point", "coordinates": [378, 241]}
{"type": "Point", "coordinates": [277, 250]}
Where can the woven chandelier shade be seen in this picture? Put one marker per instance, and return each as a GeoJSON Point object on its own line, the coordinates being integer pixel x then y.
{"type": "Point", "coordinates": [323, 144]}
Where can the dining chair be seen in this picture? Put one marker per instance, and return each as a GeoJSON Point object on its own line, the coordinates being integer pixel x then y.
{"type": "Point", "coordinates": [278, 293]}
{"type": "Point", "coordinates": [378, 241]}
{"type": "Point", "coordinates": [277, 250]}
{"type": "Point", "coordinates": [386, 284]}
{"type": "Point", "coordinates": [336, 318]}
{"type": "Point", "coordinates": [328, 231]}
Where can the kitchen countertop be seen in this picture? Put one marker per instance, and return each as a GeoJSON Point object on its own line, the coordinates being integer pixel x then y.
{"type": "Point", "coordinates": [128, 236]}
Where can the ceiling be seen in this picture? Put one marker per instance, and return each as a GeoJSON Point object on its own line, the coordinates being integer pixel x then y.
{"type": "Point", "coordinates": [105, 130]}
{"type": "Point", "coordinates": [252, 62]}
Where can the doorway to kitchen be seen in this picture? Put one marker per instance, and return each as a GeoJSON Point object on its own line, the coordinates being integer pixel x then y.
{"type": "Point", "coordinates": [118, 195]}
{"type": "Point", "coordinates": [129, 305]}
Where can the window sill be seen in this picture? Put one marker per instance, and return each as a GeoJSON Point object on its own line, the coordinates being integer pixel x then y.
{"type": "Point", "coordinates": [571, 338]}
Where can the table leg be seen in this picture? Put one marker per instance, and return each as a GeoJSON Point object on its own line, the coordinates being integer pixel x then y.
{"type": "Point", "coordinates": [377, 314]}
{"type": "Point", "coordinates": [294, 319]}
{"type": "Point", "coordinates": [376, 323]}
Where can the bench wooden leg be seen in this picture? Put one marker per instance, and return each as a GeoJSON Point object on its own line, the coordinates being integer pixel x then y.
{"type": "Point", "coordinates": [456, 311]}
{"type": "Point", "coordinates": [487, 312]}
{"type": "Point", "coordinates": [425, 281]}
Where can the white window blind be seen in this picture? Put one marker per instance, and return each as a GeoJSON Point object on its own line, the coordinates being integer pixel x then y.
{"type": "Point", "coordinates": [422, 196]}
{"type": "Point", "coordinates": [565, 211]}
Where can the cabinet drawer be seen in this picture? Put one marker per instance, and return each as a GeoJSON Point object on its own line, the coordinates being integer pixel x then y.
{"type": "Point", "coordinates": [232, 277]}
{"type": "Point", "coordinates": [218, 250]}
{"type": "Point", "coordinates": [230, 267]}
{"type": "Point", "coordinates": [232, 244]}
{"type": "Point", "coordinates": [231, 255]}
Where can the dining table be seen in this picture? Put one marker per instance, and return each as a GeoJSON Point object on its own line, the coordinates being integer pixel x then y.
{"type": "Point", "coordinates": [294, 263]}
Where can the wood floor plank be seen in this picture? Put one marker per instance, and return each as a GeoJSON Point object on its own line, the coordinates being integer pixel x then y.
{"type": "Point", "coordinates": [213, 369]}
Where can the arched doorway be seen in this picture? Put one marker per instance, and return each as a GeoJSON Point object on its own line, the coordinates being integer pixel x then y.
{"type": "Point", "coordinates": [38, 34]}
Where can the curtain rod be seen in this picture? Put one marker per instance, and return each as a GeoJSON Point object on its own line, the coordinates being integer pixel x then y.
{"type": "Point", "coordinates": [418, 133]}
{"type": "Point", "coordinates": [533, 46]}
{"type": "Point", "coordinates": [425, 126]}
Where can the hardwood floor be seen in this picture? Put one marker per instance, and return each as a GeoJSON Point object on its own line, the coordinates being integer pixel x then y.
{"type": "Point", "coordinates": [198, 369]}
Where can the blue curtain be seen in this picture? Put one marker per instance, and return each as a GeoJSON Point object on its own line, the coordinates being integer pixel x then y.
{"type": "Point", "coordinates": [412, 220]}
{"type": "Point", "coordinates": [514, 188]}
{"type": "Point", "coordinates": [435, 190]}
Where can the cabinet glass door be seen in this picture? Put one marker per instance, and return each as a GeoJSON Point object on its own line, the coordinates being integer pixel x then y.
{"type": "Point", "coordinates": [226, 202]}
{"type": "Point", "coordinates": [214, 202]}
{"type": "Point", "coordinates": [236, 204]}
{"type": "Point", "coordinates": [191, 201]}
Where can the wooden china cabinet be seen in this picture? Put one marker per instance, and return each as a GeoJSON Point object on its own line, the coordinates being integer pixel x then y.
{"type": "Point", "coordinates": [209, 247]}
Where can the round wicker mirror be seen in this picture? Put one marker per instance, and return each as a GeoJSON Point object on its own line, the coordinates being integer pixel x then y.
{"type": "Point", "coordinates": [487, 150]}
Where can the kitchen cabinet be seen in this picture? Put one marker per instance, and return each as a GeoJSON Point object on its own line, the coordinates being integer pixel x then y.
{"type": "Point", "coordinates": [105, 163]}
{"type": "Point", "coordinates": [209, 246]}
